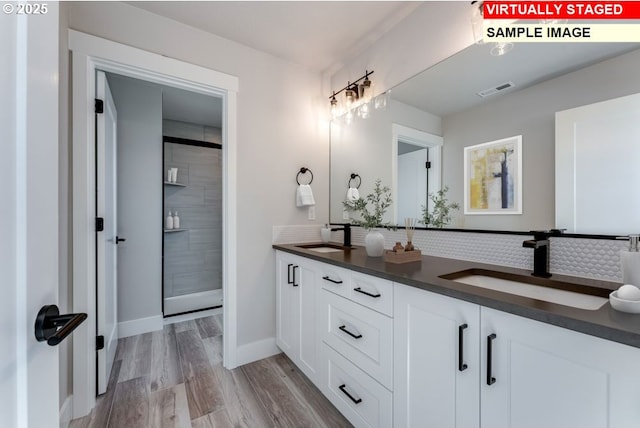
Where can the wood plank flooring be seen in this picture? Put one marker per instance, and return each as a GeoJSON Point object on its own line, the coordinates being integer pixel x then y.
{"type": "Point", "coordinates": [175, 378]}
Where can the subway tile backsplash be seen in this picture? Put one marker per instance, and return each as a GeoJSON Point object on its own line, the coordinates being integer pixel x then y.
{"type": "Point", "coordinates": [589, 258]}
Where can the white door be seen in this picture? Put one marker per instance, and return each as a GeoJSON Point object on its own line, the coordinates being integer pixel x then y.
{"type": "Point", "coordinates": [436, 361]}
{"type": "Point", "coordinates": [412, 184]}
{"type": "Point", "coordinates": [107, 240]}
{"type": "Point", "coordinates": [29, 371]}
{"type": "Point", "coordinates": [597, 156]}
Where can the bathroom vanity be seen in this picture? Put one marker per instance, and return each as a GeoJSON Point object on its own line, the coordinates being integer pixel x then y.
{"type": "Point", "coordinates": [411, 346]}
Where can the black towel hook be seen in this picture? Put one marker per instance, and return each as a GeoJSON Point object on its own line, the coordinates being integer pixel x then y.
{"type": "Point", "coordinates": [304, 170]}
{"type": "Point", "coordinates": [353, 177]}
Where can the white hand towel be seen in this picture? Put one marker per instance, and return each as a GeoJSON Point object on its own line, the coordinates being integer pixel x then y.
{"type": "Point", "coordinates": [304, 196]}
{"type": "Point", "coordinates": [353, 194]}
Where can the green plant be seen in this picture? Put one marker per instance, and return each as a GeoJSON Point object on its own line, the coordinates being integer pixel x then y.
{"type": "Point", "coordinates": [380, 199]}
{"type": "Point", "coordinates": [441, 214]}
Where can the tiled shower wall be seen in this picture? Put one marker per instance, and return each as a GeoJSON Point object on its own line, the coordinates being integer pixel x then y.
{"type": "Point", "coordinates": [193, 258]}
{"type": "Point", "coordinates": [589, 258]}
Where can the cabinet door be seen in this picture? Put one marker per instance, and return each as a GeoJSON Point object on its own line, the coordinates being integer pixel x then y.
{"type": "Point", "coordinates": [547, 376]}
{"type": "Point", "coordinates": [296, 326]}
{"type": "Point", "coordinates": [286, 305]}
{"type": "Point", "coordinates": [435, 380]}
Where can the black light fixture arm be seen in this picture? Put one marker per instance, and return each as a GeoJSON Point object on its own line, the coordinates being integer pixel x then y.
{"type": "Point", "coordinates": [350, 85]}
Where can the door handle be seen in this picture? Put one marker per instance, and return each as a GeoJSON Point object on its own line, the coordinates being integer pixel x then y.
{"type": "Point", "coordinates": [461, 364]}
{"type": "Point", "coordinates": [490, 379]}
{"type": "Point", "coordinates": [118, 239]}
{"type": "Point", "coordinates": [53, 327]}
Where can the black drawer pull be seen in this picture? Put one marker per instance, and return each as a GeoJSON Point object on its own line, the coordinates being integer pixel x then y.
{"type": "Point", "coordinates": [294, 283]}
{"type": "Point", "coordinates": [289, 281]}
{"type": "Point", "coordinates": [345, 392]}
{"type": "Point", "coordinates": [490, 379]}
{"type": "Point", "coordinates": [360, 290]}
{"type": "Point", "coordinates": [326, 278]}
{"type": "Point", "coordinates": [461, 365]}
{"type": "Point", "coordinates": [344, 328]}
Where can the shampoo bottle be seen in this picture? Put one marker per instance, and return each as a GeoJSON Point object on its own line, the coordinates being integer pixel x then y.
{"type": "Point", "coordinates": [630, 261]}
{"type": "Point", "coordinates": [169, 222]}
{"type": "Point", "coordinates": [176, 221]}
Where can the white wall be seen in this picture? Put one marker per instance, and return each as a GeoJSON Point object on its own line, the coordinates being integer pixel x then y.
{"type": "Point", "coordinates": [433, 32]}
{"type": "Point", "coordinates": [277, 134]}
{"type": "Point", "coordinates": [140, 209]}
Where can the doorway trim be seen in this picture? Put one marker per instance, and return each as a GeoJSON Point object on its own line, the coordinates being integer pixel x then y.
{"type": "Point", "coordinates": [89, 53]}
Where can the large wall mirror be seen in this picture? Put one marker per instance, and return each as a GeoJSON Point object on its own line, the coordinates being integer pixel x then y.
{"type": "Point", "coordinates": [438, 113]}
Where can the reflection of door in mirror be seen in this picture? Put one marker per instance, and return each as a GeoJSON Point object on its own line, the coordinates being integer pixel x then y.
{"type": "Point", "coordinates": [597, 157]}
{"type": "Point", "coordinates": [416, 171]}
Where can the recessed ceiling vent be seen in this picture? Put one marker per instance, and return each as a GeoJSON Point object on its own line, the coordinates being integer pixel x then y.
{"type": "Point", "coordinates": [492, 91]}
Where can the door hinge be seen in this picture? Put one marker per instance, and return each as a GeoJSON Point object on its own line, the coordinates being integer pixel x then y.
{"type": "Point", "coordinates": [99, 106]}
{"type": "Point", "coordinates": [99, 224]}
{"type": "Point", "coordinates": [99, 343]}
{"type": "Point", "coordinates": [427, 164]}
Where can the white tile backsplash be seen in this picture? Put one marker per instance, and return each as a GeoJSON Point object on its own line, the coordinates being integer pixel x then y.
{"type": "Point", "coordinates": [589, 258]}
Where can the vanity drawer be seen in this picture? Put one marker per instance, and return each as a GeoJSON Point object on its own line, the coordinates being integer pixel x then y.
{"type": "Point", "coordinates": [335, 279]}
{"type": "Point", "coordinates": [363, 336]}
{"type": "Point", "coordinates": [362, 400]}
{"type": "Point", "coordinates": [372, 292]}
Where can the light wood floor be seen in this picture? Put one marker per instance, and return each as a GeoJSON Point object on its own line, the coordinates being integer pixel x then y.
{"type": "Point", "coordinates": [175, 378]}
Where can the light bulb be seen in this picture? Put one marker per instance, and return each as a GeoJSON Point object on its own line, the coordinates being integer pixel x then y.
{"type": "Point", "coordinates": [501, 48]}
{"type": "Point", "coordinates": [364, 111]}
{"type": "Point", "coordinates": [348, 118]}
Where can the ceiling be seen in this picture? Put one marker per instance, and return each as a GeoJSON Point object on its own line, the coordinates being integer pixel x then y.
{"type": "Point", "coordinates": [316, 34]}
{"type": "Point", "coordinates": [452, 85]}
{"type": "Point", "coordinates": [191, 107]}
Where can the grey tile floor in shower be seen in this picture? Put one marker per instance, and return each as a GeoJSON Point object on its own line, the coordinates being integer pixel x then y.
{"type": "Point", "coordinates": [175, 378]}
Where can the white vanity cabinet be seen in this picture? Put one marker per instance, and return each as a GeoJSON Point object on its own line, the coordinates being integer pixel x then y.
{"type": "Point", "coordinates": [547, 376]}
{"type": "Point", "coordinates": [436, 360]}
{"type": "Point", "coordinates": [296, 300]}
{"type": "Point", "coordinates": [519, 373]}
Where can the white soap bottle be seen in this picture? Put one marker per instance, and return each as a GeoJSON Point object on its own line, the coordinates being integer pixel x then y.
{"type": "Point", "coordinates": [169, 222]}
{"type": "Point", "coordinates": [630, 262]}
{"type": "Point", "coordinates": [176, 221]}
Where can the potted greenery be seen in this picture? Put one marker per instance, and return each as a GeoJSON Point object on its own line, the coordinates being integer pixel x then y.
{"type": "Point", "coordinates": [370, 218]}
{"type": "Point", "coordinates": [441, 214]}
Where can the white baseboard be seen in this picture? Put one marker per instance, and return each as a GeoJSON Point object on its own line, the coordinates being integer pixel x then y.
{"type": "Point", "coordinates": [139, 326]}
{"type": "Point", "coordinates": [66, 412]}
{"type": "Point", "coordinates": [255, 351]}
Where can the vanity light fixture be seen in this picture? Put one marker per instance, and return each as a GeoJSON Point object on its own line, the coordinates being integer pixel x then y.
{"type": "Point", "coordinates": [357, 99]}
{"type": "Point", "coordinates": [477, 19]}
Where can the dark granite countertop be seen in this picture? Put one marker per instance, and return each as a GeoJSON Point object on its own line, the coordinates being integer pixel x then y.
{"type": "Point", "coordinates": [605, 322]}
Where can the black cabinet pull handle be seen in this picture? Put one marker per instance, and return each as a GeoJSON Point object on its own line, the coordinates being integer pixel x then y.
{"type": "Point", "coordinates": [490, 379]}
{"type": "Point", "coordinates": [118, 239]}
{"type": "Point", "coordinates": [289, 281]}
{"type": "Point", "coordinates": [461, 365]}
{"type": "Point", "coordinates": [295, 284]}
{"type": "Point", "coordinates": [360, 290]}
{"type": "Point", "coordinates": [355, 336]}
{"type": "Point", "coordinates": [326, 278]}
{"type": "Point", "coordinates": [345, 392]}
{"type": "Point", "coordinates": [53, 327]}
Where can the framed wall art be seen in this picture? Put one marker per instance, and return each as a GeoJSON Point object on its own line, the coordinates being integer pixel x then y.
{"type": "Point", "coordinates": [493, 177]}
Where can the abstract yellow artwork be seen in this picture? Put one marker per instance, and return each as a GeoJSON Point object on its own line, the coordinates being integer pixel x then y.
{"type": "Point", "coordinates": [493, 177]}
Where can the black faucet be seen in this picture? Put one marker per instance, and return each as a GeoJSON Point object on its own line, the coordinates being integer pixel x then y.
{"type": "Point", "coordinates": [346, 228]}
{"type": "Point", "coordinates": [540, 245]}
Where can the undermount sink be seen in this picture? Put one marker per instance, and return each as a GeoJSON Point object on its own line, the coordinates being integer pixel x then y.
{"type": "Point", "coordinates": [548, 290]}
{"type": "Point", "coordinates": [324, 248]}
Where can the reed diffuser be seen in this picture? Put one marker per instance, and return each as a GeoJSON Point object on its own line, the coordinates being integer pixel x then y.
{"type": "Point", "coordinates": [409, 227]}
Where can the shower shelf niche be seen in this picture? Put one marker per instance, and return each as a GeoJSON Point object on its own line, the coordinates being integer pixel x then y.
{"type": "Point", "coordinates": [171, 183]}
{"type": "Point", "coordinates": [174, 230]}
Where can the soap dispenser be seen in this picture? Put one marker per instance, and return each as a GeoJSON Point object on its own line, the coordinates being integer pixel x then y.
{"type": "Point", "coordinates": [630, 261]}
